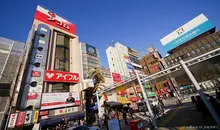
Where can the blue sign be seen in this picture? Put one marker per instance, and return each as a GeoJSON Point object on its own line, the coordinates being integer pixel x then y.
{"type": "Point", "coordinates": [91, 50]}
{"type": "Point", "coordinates": [130, 66]}
{"type": "Point", "coordinates": [196, 31]}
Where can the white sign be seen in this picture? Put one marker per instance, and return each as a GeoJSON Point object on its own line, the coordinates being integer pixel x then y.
{"type": "Point", "coordinates": [56, 100]}
{"type": "Point", "coordinates": [12, 120]}
{"type": "Point", "coordinates": [28, 117]}
{"type": "Point", "coordinates": [114, 124]}
{"type": "Point", "coordinates": [66, 111]}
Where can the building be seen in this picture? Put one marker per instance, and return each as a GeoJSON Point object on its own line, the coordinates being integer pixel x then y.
{"type": "Point", "coordinates": [11, 54]}
{"type": "Point", "coordinates": [151, 62]}
{"type": "Point", "coordinates": [122, 60]}
{"type": "Point", "coordinates": [193, 39]}
{"type": "Point", "coordinates": [52, 76]}
{"type": "Point", "coordinates": [90, 58]}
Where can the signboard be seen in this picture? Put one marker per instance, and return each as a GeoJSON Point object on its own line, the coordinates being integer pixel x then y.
{"type": "Point", "coordinates": [43, 113]}
{"type": "Point", "coordinates": [12, 120]}
{"type": "Point", "coordinates": [130, 67]}
{"type": "Point", "coordinates": [132, 51]}
{"type": "Point", "coordinates": [147, 86]}
{"type": "Point", "coordinates": [114, 124]}
{"type": "Point", "coordinates": [35, 117]}
{"type": "Point", "coordinates": [20, 120]}
{"type": "Point", "coordinates": [188, 31]}
{"type": "Point", "coordinates": [123, 100]}
{"type": "Point", "coordinates": [28, 117]}
{"type": "Point", "coordinates": [151, 94]}
{"type": "Point", "coordinates": [91, 50]}
{"type": "Point", "coordinates": [134, 98]}
{"type": "Point", "coordinates": [59, 76]}
{"type": "Point", "coordinates": [32, 96]}
{"type": "Point", "coordinates": [54, 20]}
{"type": "Point", "coordinates": [116, 77]}
{"type": "Point", "coordinates": [36, 74]}
{"type": "Point", "coordinates": [56, 100]}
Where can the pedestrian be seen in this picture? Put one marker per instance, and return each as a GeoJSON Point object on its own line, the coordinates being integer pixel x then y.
{"type": "Point", "coordinates": [155, 111]}
{"type": "Point", "coordinates": [131, 112]}
{"type": "Point", "coordinates": [125, 117]}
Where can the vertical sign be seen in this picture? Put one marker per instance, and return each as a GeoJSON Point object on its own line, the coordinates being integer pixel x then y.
{"type": "Point", "coordinates": [28, 117]}
{"type": "Point", "coordinates": [35, 117]}
{"type": "Point", "coordinates": [20, 120]}
{"type": "Point", "coordinates": [12, 120]}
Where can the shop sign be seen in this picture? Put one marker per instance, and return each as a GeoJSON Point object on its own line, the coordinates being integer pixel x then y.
{"type": "Point", "coordinates": [32, 96]}
{"type": "Point", "coordinates": [43, 113]}
{"type": "Point", "coordinates": [147, 86]}
{"type": "Point", "coordinates": [57, 100]}
{"type": "Point", "coordinates": [12, 120]}
{"type": "Point", "coordinates": [66, 110]}
{"type": "Point", "coordinates": [35, 117]}
{"type": "Point", "coordinates": [151, 94]}
{"type": "Point", "coordinates": [28, 117]}
{"type": "Point", "coordinates": [116, 77]}
{"type": "Point", "coordinates": [59, 76]}
{"type": "Point", "coordinates": [52, 19]}
{"type": "Point", "coordinates": [138, 89]}
{"type": "Point", "coordinates": [133, 99]}
{"type": "Point", "coordinates": [36, 74]}
{"type": "Point", "coordinates": [91, 50]}
{"type": "Point", "coordinates": [123, 92]}
{"type": "Point", "coordinates": [20, 120]}
{"type": "Point", "coordinates": [123, 100]}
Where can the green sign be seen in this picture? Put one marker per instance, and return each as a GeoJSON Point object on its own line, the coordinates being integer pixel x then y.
{"type": "Point", "coordinates": [151, 94]}
{"type": "Point", "coordinates": [147, 86]}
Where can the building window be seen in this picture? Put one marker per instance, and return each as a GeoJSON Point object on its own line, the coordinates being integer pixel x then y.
{"type": "Point", "coordinates": [213, 43]}
{"type": "Point", "coordinates": [197, 50]}
{"type": "Point", "coordinates": [193, 52]}
{"type": "Point", "coordinates": [60, 87]}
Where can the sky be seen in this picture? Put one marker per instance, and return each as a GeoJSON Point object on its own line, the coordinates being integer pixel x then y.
{"type": "Point", "coordinates": [134, 23]}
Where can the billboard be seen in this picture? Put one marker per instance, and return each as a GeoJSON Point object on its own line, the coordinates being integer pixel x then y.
{"type": "Point", "coordinates": [12, 120]}
{"type": "Point", "coordinates": [60, 76]}
{"type": "Point", "coordinates": [28, 117]}
{"type": "Point", "coordinates": [57, 100]}
{"type": "Point", "coordinates": [91, 50]}
{"type": "Point", "coordinates": [50, 18]}
{"type": "Point", "coordinates": [188, 31]}
{"type": "Point", "coordinates": [116, 77]}
{"type": "Point", "coordinates": [20, 120]}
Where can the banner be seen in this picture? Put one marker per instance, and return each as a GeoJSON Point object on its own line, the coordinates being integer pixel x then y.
{"type": "Point", "coordinates": [35, 117]}
{"type": "Point", "coordinates": [91, 50]}
{"type": "Point", "coordinates": [116, 77]}
{"type": "Point", "coordinates": [20, 120]}
{"type": "Point", "coordinates": [60, 76]}
{"type": "Point", "coordinates": [28, 117]}
{"type": "Point", "coordinates": [12, 120]}
{"type": "Point", "coordinates": [56, 100]}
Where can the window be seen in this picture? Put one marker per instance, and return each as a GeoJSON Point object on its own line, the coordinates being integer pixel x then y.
{"type": "Point", "coordinates": [62, 52]}
{"type": "Point", "coordinates": [60, 87]}
{"type": "Point", "coordinates": [197, 50]}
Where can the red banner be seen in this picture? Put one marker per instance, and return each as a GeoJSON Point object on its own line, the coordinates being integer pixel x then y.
{"type": "Point", "coordinates": [134, 99]}
{"type": "Point", "coordinates": [20, 119]}
{"type": "Point", "coordinates": [60, 76]}
{"type": "Point", "coordinates": [43, 113]}
{"type": "Point", "coordinates": [123, 92]}
{"type": "Point", "coordinates": [52, 19]}
{"type": "Point", "coordinates": [116, 77]}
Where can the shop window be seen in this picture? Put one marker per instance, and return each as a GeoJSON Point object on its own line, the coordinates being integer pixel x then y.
{"type": "Point", "coordinates": [60, 87]}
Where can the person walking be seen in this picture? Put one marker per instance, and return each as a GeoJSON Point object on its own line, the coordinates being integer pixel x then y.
{"type": "Point", "coordinates": [125, 117]}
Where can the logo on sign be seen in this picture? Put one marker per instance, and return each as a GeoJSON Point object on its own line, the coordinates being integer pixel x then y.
{"type": "Point", "coordinates": [36, 73]}
{"type": "Point", "coordinates": [91, 50]}
{"type": "Point", "coordinates": [180, 31]}
{"type": "Point", "coordinates": [32, 96]}
{"type": "Point", "coordinates": [52, 17]}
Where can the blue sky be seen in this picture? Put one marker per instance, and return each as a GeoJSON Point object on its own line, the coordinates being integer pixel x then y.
{"type": "Point", "coordinates": [134, 23]}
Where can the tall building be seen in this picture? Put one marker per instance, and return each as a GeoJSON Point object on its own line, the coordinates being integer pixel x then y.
{"type": "Point", "coordinates": [52, 77]}
{"type": "Point", "coordinates": [90, 58]}
{"type": "Point", "coordinates": [193, 39]}
{"type": "Point", "coordinates": [122, 60]}
{"type": "Point", "coordinates": [11, 54]}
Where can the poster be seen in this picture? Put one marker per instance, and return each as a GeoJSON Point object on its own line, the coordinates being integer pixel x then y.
{"type": "Point", "coordinates": [20, 120]}
{"type": "Point", "coordinates": [12, 120]}
{"type": "Point", "coordinates": [28, 117]}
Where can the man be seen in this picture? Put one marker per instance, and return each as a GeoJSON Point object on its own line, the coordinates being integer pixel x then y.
{"type": "Point", "coordinates": [125, 117]}
{"type": "Point", "coordinates": [70, 99]}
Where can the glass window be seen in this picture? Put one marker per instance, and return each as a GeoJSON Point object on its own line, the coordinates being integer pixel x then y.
{"type": "Point", "coordinates": [60, 87]}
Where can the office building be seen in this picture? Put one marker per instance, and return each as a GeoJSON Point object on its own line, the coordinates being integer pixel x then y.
{"type": "Point", "coordinates": [122, 60]}
{"type": "Point", "coordinates": [11, 54]}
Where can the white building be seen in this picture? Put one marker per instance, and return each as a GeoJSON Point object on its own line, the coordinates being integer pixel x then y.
{"type": "Point", "coordinates": [122, 59]}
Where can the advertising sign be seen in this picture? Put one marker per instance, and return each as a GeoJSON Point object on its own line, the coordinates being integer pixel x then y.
{"type": "Point", "coordinates": [130, 66]}
{"type": "Point", "coordinates": [32, 96]}
{"type": "Point", "coordinates": [28, 117]}
{"type": "Point", "coordinates": [91, 50]}
{"type": "Point", "coordinates": [35, 117]}
{"type": "Point", "coordinates": [54, 20]}
{"type": "Point", "coordinates": [12, 120]}
{"type": "Point", "coordinates": [188, 31]}
{"type": "Point", "coordinates": [36, 74]}
{"type": "Point", "coordinates": [43, 113]}
{"type": "Point", "coordinates": [116, 77]}
{"type": "Point", "coordinates": [59, 76]}
{"type": "Point", "coordinates": [65, 110]}
{"type": "Point", "coordinates": [20, 120]}
{"type": "Point", "coordinates": [56, 100]}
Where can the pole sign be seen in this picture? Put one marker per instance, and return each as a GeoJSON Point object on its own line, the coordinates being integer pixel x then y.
{"type": "Point", "coordinates": [28, 117]}
{"type": "Point", "coordinates": [60, 76]}
{"type": "Point", "coordinates": [12, 120]}
{"type": "Point", "coordinates": [35, 117]}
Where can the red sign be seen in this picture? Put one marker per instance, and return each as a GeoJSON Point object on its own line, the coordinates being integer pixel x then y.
{"type": "Point", "coordinates": [134, 99]}
{"type": "Point", "coordinates": [36, 74]}
{"type": "Point", "coordinates": [32, 96]}
{"type": "Point", "coordinates": [51, 18]}
{"type": "Point", "coordinates": [43, 113]}
{"type": "Point", "coordinates": [20, 120]}
{"type": "Point", "coordinates": [123, 92]}
{"type": "Point", "coordinates": [138, 89]}
{"type": "Point", "coordinates": [116, 77]}
{"type": "Point", "coordinates": [60, 76]}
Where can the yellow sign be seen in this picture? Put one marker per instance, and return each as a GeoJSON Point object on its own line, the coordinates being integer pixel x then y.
{"type": "Point", "coordinates": [123, 100]}
{"type": "Point", "coordinates": [36, 113]}
{"type": "Point", "coordinates": [121, 88]}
